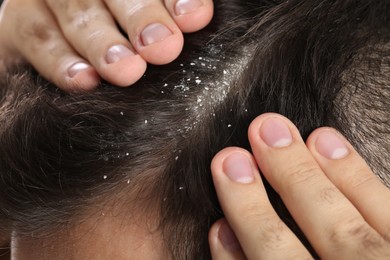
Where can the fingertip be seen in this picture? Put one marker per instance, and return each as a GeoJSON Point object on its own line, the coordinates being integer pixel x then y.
{"type": "Point", "coordinates": [227, 160]}
{"type": "Point", "coordinates": [118, 52]}
{"type": "Point", "coordinates": [162, 51]}
{"type": "Point", "coordinates": [86, 79]}
{"type": "Point", "coordinates": [191, 17]}
{"type": "Point", "coordinates": [221, 155]}
{"type": "Point", "coordinates": [272, 130]}
{"type": "Point", "coordinates": [125, 71]}
{"type": "Point", "coordinates": [213, 235]}
{"type": "Point", "coordinates": [253, 129]}
{"type": "Point", "coordinates": [227, 237]}
{"type": "Point", "coordinates": [223, 242]}
{"type": "Point", "coordinates": [329, 144]}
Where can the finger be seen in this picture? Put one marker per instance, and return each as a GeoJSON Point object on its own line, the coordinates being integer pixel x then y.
{"type": "Point", "coordinates": [91, 30]}
{"type": "Point", "coordinates": [353, 177]}
{"type": "Point", "coordinates": [332, 224]}
{"type": "Point", "coordinates": [8, 53]}
{"type": "Point", "coordinates": [150, 28]}
{"type": "Point", "coordinates": [38, 39]}
{"type": "Point", "coordinates": [190, 15]}
{"type": "Point", "coordinates": [223, 243]}
{"type": "Point", "coordinates": [244, 201]}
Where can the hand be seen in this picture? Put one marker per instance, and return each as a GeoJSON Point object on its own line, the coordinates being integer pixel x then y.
{"type": "Point", "coordinates": [73, 42]}
{"type": "Point", "coordinates": [332, 194]}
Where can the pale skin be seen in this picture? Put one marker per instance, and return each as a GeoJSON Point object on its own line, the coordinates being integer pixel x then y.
{"type": "Point", "coordinates": [71, 44]}
{"type": "Point", "coordinates": [76, 43]}
{"type": "Point", "coordinates": [337, 201]}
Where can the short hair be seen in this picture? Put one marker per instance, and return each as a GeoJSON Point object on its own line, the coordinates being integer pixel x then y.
{"type": "Point", "coordinates": [316, 62]}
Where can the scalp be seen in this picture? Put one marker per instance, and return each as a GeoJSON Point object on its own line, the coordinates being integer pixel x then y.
{"type": "Point", "coordinates": [314, 62]}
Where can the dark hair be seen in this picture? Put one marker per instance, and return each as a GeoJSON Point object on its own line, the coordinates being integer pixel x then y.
{"type": "Point", "coordinates": [316, 62]}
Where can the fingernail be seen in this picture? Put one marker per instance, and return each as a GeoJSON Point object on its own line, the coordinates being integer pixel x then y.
{"type": "Point", "coordinates": [238, 168]}
{"type": "Point", "coordinates": [331, 146]}
{"type": "Point", "coordinates": [275, 133]}
{"type": "Point", "coordinates": [228, 238]}
{"type": "Point", "coordinates": [117, 52]}
{"type": "Point", "coordinates": [76, 68]}
{"type": "Point", "coordinates": [154, 32]}
{"type": "Point", "coordinates": [187, 6]}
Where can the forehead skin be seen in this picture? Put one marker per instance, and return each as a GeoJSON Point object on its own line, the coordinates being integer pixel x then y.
{"type": "Point", "coordinates": [106, 234]}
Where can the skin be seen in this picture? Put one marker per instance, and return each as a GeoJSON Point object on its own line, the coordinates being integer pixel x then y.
{"type": "Point", "coordinates": [328, 188]}
{"type": "Point", "coordinates": [340, 205]}
{"type": "Point", "coordinates": [68, 41]}
{"type": "Point", "coordinates": [76, 43]}
{"type": "Point", "coordinates": [107, 234]}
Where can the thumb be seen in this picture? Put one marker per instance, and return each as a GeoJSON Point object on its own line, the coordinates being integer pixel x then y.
{"type": "Point", "coordinates": [223, 242]}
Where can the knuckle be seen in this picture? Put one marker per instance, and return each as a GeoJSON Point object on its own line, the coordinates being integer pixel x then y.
{"type": "Point", "coordinates": [96, 43]}
{"type": "Point", "coordinates": [271, 233]}
{"type": "Point", "coordinates": [83, 20]}
{"type": "Point", "coordinates": [329, 195]}
{"type": "Point", "coordinates": [269, 227]}
{"type": "Point", "coordinates": [57, 50]}
{"type": "Point", "coordinates": [360, 178]}
{"type": "Point", "coordinates": [35, 33]}
{"type": "Point", "coordinates": [31, 25]}
{"type": "Point", "coordinates": [76, 14]}
{"type": "Point", "coordinates": [139, 9]}
{"type": "Point", "coordinates": [302, 172]}
{"type": "Point", "coordinates": [386, 235]}
{"type": "Point", "coordinates": [256, 209]}
{"type": "Point", "coordinates": [41, 31]}
{"type": "Point", "coordinates": [69, 6]}
{"type": "Point", "coordinates": [355, 233]}
{"type": "Point", "coordinates": [97, 36]}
